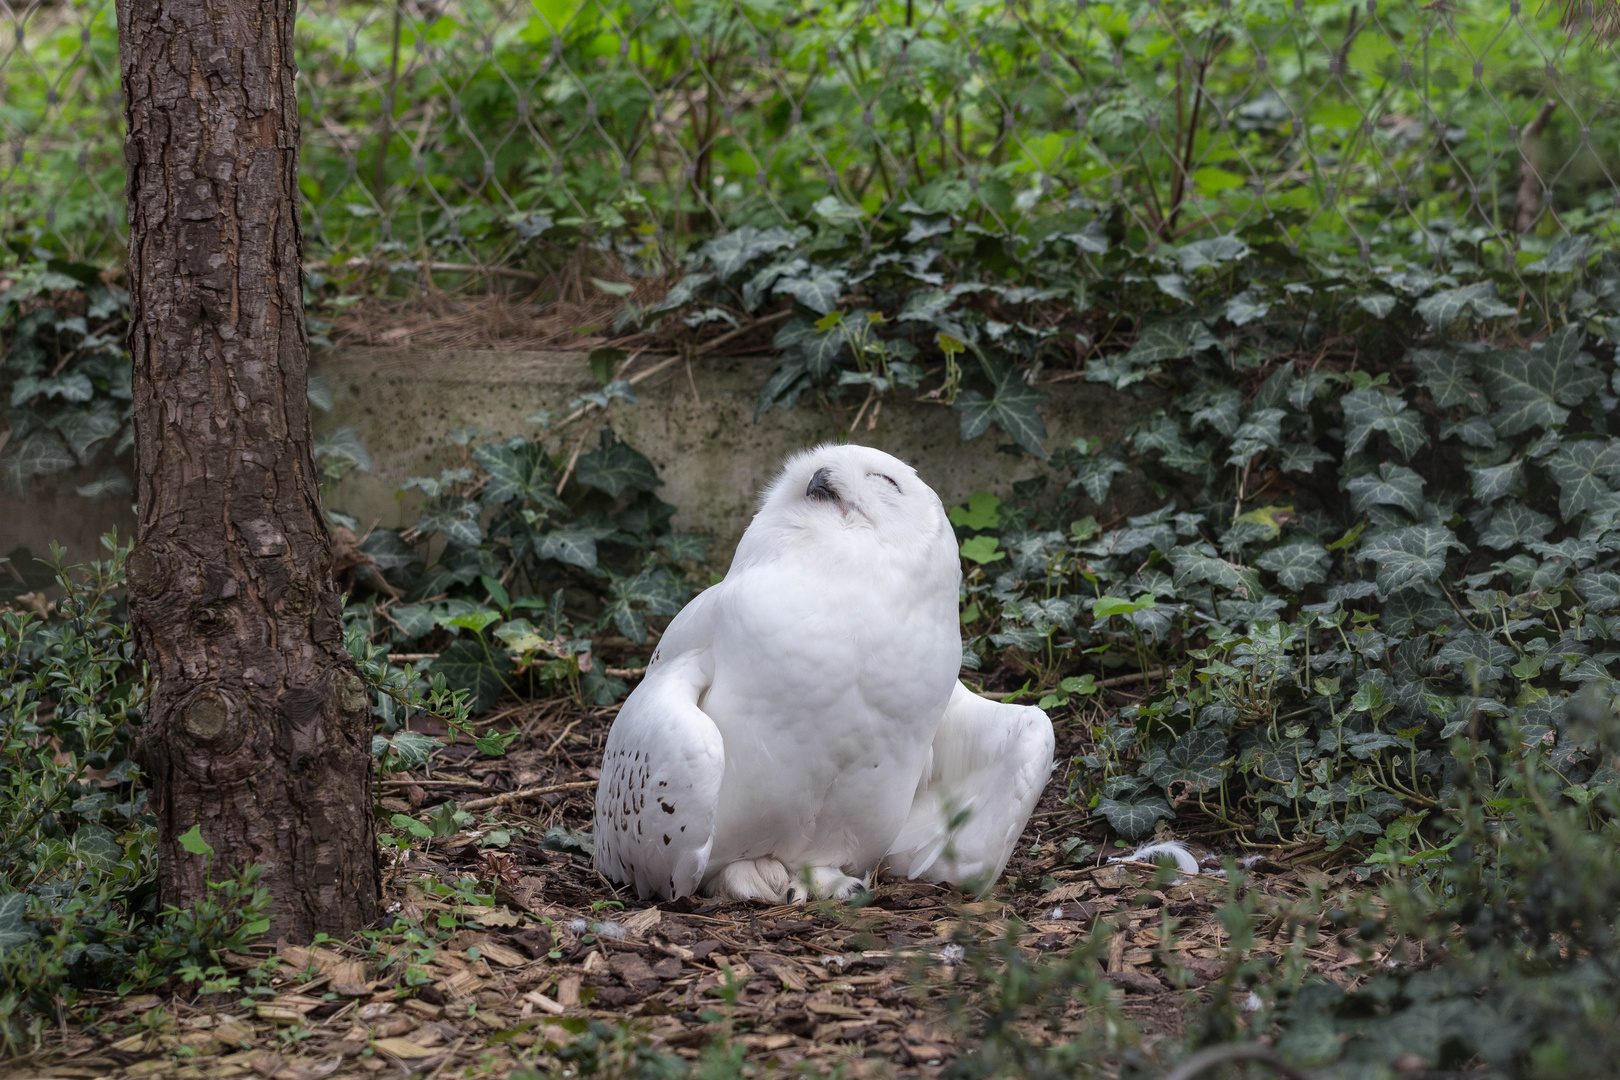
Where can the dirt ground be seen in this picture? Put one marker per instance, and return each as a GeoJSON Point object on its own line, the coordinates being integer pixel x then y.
{"type": "Point", "coordinates": [825, 988]}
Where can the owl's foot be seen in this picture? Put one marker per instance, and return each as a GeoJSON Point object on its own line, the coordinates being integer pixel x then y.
{"type": "Point", "coordinates": [764, 878]}
{"type": "Point", "coordinates": [823, 883]}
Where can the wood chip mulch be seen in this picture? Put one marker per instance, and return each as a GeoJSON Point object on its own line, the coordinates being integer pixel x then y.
{"type": "Point", "coordinates": [856, 990]}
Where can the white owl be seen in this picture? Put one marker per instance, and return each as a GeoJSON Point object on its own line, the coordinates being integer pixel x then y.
{"type": "Point", "coordinates": [801, 721]}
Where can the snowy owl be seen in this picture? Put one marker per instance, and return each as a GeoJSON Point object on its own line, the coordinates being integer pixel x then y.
{"type": "Point", "coordinates": [801, 722]}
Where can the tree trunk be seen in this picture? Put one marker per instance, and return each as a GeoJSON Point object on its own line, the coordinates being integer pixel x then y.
{"type": "Point", "coordinates": [258, 729]}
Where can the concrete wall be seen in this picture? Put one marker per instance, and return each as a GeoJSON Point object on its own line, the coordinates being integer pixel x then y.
{"type": "Point", "coordinates": [699, 430]}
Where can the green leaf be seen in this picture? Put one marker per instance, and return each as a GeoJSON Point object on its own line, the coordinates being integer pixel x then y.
{"type": "Point", "coordinates": [1391, 485]}
{"type": "Point", "coordinates": [1376, 304]}
{"type": "Point", "coordinates": [1601, 591]}
{"type": "Point", "coordinates": [415, 619]}
{"type": "Point", "coordinates": [983, 511]}
{"type": "Point", "coordinates": [465, 665]}
{"type": "Point", "coordinates": [1443, 308]}
{"type": "Point", "coordinates": [1513, 524]}
{"type": "Point", "coordinates": [1192, 762]}
{"type": "Point", "coordinates": [1095, 475]}
{"type": "Point", "coordinates": [1493, 482]}
{"type": "Point", "coordinates": [654, 591]}
{"type": "Point", "coordinates": [522, 471]}
{"type": "Point", "coordinates": [1081, 685]}
{"type": "Point", "coordinates": [1531, 386]}
{"type": "Point", "coordinates": [573, 545]}
{"type": "Point", "coordinates": [1567, 254]}
{"type": "Point", "coordinates": [474, 621]}
{"type": "Point", "coordinates": [1296, 565]}
{"type": "Point", "coordinates": [1013, 409]}
{"type": "Point", "coordinates": [1167, 339]}
{"type": "Point", "coordinates": [1133, 820]}
{"type": "Point", "coordinates": [1194, 563]}
{"type": "Point", "coordinates": [1277, 760]}
{"type": "Point", "coordinates": [1581, 469]}
{"type": "Point", "coordinates": [818, 290]}
{"type": "Point", "coordinates": [1378, 409]}
{"type": "Point", "coordinates": [817, 351]}
{"type": "Point", "coordinates": [1408, 557]}
{"type": "Point", "coordinates": [615, 466]}
{"type": "Point", "coordinates": [682, 546]}
{"type": "Point", "coordinates": [97, 848]}
{"type": "Point", "coordinates": [730, 253]}
{"type": "Point", "coordinates": [15, 929]}
{"type": "Point", "coordinates": [1106, 607]}
{"type": "Point", "coordinates": [1448, 376]}
{"type": "Point", "coordinates": [682, 293]}
{"type": "Point", "coordinates": [84, 428]}
{"type": "Point", "coordinates": [343, 446]}
{"type": "Point", "coordinates": [39, 453]}
{"type": "Point", "coordinates": [408, 749]}
{"type": "Point", "coordinates": [982, 550]}
{"type": "Point", "coordinates": [111, 482]}
{"type": "Point", "coordinates": [192, 840]}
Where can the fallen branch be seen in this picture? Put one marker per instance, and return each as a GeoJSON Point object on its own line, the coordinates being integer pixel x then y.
{"type": "Point", "coordinates": [526, 793]}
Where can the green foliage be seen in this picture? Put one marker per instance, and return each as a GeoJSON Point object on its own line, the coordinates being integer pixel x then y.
{"type": "Point", "coordinates": [539, 552]}
{"type": "Point", "coordinates": [78, 904]}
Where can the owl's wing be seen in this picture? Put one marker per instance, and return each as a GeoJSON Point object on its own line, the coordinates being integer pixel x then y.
{"type": "Point", "coordinates": [990, 763]}
{"type": "Point", "coordinates": [660, 785]}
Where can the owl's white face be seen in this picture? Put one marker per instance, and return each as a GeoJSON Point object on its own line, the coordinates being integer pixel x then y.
{"type": "Point", "coordinates": [833, 489]}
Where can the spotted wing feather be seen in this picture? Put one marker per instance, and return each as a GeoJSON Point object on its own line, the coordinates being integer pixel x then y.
{"type": "Point", "coordinates": [661, 772]}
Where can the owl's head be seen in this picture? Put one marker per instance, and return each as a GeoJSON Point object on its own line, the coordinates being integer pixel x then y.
{"type": "Point", "coordinates": [839, 489]}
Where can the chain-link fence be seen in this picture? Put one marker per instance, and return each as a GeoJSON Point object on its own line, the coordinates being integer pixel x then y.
{"type": "Point", "coordinates": [491, 141]}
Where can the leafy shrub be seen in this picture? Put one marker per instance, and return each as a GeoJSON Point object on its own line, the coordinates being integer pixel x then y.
{"type": "Point", "coordinates": [540, 551]}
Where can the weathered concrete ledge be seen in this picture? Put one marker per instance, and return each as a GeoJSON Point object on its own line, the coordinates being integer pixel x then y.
{"type": "Point", "coordinates": [697, 426]}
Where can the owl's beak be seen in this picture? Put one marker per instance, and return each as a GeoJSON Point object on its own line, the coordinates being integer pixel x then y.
{"type": "Point", "coordinates": [821, 486]}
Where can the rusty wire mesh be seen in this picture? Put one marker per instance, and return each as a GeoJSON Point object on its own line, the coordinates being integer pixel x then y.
{"type": "Point", "coordinates": [494, 141]}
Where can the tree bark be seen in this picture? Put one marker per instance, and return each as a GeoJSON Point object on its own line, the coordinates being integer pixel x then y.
{"type": "Point", "coordinates": [258, 729]}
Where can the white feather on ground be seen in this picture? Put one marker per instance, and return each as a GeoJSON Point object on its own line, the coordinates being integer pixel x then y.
{"type": "Point", "coordinates": [797, 716]}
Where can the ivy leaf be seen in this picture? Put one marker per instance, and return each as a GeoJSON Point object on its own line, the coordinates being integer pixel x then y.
{"type": "Point", "coordinates": [1195, 563]}
{"type": "Point", "coordinates": [614, 466]}
{"type": "Point", "coordinates": [1209, 254]}
{"type": "Point", "coordinates": [983, 511]}
{"type": "Point", "coordinates": [1493, 482]}
{"type": "Point", "coordinates": [819, 290]}
{"type": "Point", "coordinates": [1168, 339]}
{"type": "Point", "coordinates": [415, 619]}
{"type": "Point", "coordinates": [730, 253]}
{"type": "Point", "coordinates": [1601, 591]}
{"type": "Point", "coordinates": [681, 293]}
{"type": "Point", "coordinates": [818, 351]}
{"type": "Point", "coordinates": [1448, 376]}
{"type": "Point", "coordinates": [1472, 652]}
{"type": "Point", "coordinates": [466, 666]}
{"type": "Point", "coordinates": [1392, 485]}
{"type": "Point", "coordinates": [192, 841]}
{"type": "Point", "coordinates": [408, 749]}
{"type": "Point", "coordinates": [1513, 524]}
{"type": "Point", "coordinates": [654, 591]}
{"type": "Point", "coordinates": [110, 482]}
{"type": "Point", "coordinates": [1475, 431]}
{"type": "Point", "coordinates": [1133, 820]}
{"type": "Point", "coordinates": [518, 472]}
{"type": "Point", "coordinates": [1273, 760]}
{"type": "Point", "coordinates": [1378, 409]}
{"type": "Point", "coordinates": [1222, 412]}
{"type": "Point", "coordinates": [1193, 760]}
{"type": "Point", "coordinates": [573, 545]}
{"type": "Point", "coordinates": [1013, 409]}
{"type": "Point", "coordinates": [1408, 557]}
{"type": "Point", "coordinates": [1568, 252]}
{"type": "Point", "coordinates": [83, 428]}
{"type": "Point", "coordinates": [982, 550]}
{"type": "Point", "coordinates": [685, 547]}
{"type": "Point", "coordinates": [1530, 387]}
{"type": "Point", "coordinates": [1095, 475]}
{"type": "Point", "coordinates": [457, 520]}
{"type": "Point", "coordinates": [344, 447]}
{"type": "Point", "coordinates": [1377, 304]}
{"type": "Point", "coordinates": [1296, 565]}
{"type": "Point", "coordinates": [1580, 469]}
{"type": "Point", "coordinates": [1443, 308]}
{"type": "Point", "coordinates": [39, 453]}
{"type": "Point", "coordinates": [15, 930]}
